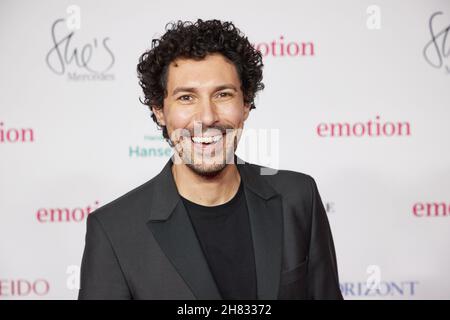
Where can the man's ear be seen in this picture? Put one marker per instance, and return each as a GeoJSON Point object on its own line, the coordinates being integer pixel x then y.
{"type": "Point", "coordinates": [158, 112]}
{"type": "Point", "coordinates": [246, 110]}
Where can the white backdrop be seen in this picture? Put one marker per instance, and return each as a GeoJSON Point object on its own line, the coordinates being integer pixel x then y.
{"type": "Point", "coordinates": [73, 135]}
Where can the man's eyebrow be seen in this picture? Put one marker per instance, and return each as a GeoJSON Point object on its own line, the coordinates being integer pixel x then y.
{"type": "Point", "coordinates": [193, 89]}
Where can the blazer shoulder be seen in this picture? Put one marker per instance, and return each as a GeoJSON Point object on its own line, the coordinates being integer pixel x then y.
{"type": "Point", "coordinates": [285, 180]}
{"type": "Point", "coordinates": [127, 205]}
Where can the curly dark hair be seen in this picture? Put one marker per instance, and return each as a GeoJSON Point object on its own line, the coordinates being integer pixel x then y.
{"type": "Point", "coordinates": [185, 39]}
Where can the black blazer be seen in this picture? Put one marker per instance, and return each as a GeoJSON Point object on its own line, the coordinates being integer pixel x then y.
{"type": "Point", "coordinates": [143, 246]}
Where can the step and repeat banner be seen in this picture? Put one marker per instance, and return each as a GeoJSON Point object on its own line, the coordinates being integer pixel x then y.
{"type": "Point", "coordinates": [357, 96]}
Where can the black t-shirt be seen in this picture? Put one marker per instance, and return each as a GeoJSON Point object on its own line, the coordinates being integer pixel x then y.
{"type": "Point", "coordinates": [225, 236]}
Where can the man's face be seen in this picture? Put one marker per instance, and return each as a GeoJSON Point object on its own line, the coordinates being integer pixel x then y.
{"type": "Point", "coordinates": [204, 112]}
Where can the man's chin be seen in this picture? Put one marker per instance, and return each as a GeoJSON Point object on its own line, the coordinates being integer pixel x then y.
{"type": "Point", "coordinates": [206, 170]}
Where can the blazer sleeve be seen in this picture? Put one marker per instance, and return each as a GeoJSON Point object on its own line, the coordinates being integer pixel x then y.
{"type": "Point", "coordinates": [323, 280]}
{"type": "Point", "coordinates": [100, 276]}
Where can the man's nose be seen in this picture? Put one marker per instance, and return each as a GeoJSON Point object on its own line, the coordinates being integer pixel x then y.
{"type": "Point", "coordinates": [208, 113]}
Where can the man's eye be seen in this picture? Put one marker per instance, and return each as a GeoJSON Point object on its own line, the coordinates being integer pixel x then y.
{"type": "Point", "coordinates": [224, 94]}
{"type": "Point", "coordinates": [185, 98]}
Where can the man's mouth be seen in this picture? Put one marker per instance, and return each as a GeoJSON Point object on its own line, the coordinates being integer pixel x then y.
{"type": "Point", "coordinates": [207, 142]}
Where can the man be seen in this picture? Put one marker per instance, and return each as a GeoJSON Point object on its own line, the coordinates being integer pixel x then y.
{"type": "Point", "coordinates": [209, 226]}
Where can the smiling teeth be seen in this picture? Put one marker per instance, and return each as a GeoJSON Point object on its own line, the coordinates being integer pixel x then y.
{"type": "Point", "coordinates": [206, 139]}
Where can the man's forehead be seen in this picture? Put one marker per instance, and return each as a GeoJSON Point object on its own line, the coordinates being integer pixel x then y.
{"type": "Point", "coordinates": [211, 71]}
{"type": "Point", "coordinates": [212, 86]}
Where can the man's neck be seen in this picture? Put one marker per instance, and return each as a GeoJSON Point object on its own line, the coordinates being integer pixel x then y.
{"type": "Point", "coordinates": [206, 191]}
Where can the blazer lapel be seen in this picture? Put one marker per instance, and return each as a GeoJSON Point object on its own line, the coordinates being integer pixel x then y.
{"type": "Point", "coordinates": [171, 227]}
{"type": "Point", "coordinates": [266, 220]}
{"type": "Point", "coordinates": [175, 234]}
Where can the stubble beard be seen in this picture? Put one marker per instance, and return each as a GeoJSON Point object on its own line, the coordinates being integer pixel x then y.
{"type": "Point", "coordinates": [210, 164]}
